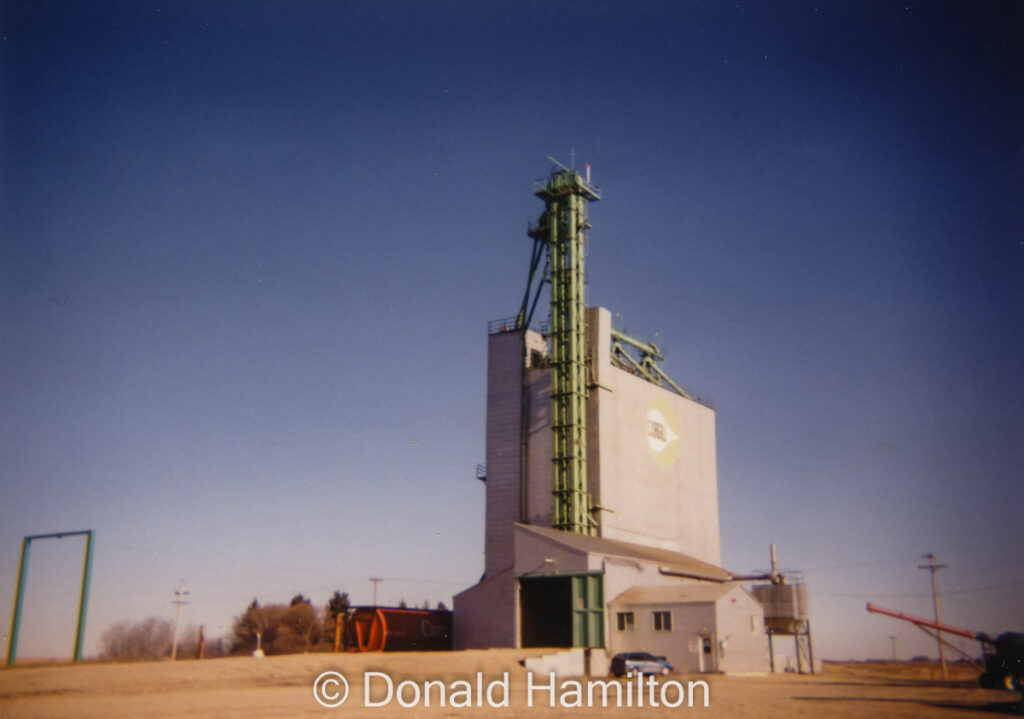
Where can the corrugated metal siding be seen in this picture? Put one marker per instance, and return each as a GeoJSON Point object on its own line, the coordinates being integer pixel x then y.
{"type": "Point", "coordinates": [485, 614]}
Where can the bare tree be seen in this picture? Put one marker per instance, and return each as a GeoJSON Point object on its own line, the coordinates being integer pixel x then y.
{"type": "Point", "coordinates": [133, 641]}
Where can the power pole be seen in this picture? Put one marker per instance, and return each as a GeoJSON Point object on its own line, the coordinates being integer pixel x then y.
{"type": "Point", "coordinates": [893, 638]}
{"type": "Point", "coordinates": [179, 599]}
{"type": "Point", "coordinates": [376, 581]}
{"type": "Point", "coordinates": [934, 568]}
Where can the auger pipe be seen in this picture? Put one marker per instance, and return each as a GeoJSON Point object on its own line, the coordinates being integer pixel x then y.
{"type": "Point", "coordinates": [978, 636]}
{"type": "Point", "coordinates": [774, 577]}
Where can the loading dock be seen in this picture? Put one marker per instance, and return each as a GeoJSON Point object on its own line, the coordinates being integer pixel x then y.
{"type": "Point", "coordinates": [564, 610]}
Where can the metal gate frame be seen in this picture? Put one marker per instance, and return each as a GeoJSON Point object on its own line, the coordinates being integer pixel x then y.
{"type": "Point", "coordinates": [19, 591]}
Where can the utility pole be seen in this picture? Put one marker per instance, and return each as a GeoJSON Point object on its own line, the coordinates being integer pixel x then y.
{"type": "Point", "coordinates": [934, 568]}
{"type": "Point", "coordinates": [893, 638]}
{"type": "Point", "coordinates": [179, 599]}
{"type": "Point", "coordinates": [376, 581]}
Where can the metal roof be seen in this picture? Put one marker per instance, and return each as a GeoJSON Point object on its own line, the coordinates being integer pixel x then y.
{"type": "Point", "coordinates": [675, 594]}
{"type": "Point", "coordinates": [666, 558]}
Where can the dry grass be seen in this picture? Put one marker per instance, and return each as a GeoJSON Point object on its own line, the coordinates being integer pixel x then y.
{"type": "Point", "coordinates": [282, 687]}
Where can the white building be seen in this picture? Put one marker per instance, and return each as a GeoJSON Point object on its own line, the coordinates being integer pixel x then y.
{"type": "Point", "coordinates": [652, 479]}
{"type": "Point", "coordinates": [697, 627]}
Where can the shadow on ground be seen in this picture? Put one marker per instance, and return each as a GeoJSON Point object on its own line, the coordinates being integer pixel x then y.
{"type": "Point", "coordinates": [902, 683]}
{"type": "Point", "coordinates": [1010, 708]}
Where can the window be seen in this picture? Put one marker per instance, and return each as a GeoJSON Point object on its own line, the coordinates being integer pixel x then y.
{"type": "Point", "coordinates": [662, 621]}
{"type": "Point", "coordinates": [625, 620]}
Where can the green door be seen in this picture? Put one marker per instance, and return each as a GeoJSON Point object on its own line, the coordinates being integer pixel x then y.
{"type": "Point", "coordinates": [588, 610]}
{"type": "Point", "coordinates": [562, 610]}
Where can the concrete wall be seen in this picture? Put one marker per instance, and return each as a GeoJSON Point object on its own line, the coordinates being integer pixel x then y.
{"type": "Point", "coordinates": [651, 458]}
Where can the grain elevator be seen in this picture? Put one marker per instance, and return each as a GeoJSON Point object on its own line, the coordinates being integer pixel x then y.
{"type": "Point", "coordinates": [601, 526]}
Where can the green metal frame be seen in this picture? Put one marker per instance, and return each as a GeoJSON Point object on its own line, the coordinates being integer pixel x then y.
{"type": "Point", "coordinates": [19, 591]}
{"type": "Point", "coordinates": [647, 366]}
{"type": "Point", "coordinates": [562, 227]}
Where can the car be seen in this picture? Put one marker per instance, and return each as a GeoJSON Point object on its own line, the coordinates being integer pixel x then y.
{"type": "Point", "coordinates": [639, 663]}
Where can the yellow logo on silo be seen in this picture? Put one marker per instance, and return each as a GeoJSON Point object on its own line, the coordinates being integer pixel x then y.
{"type": "Point", "coordinates": [662, 433]}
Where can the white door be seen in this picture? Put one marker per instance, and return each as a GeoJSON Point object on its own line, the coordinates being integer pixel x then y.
{"type": "Point", "coordinates": [706, 661]}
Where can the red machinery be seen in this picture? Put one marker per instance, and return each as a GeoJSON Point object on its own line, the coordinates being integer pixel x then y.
{"type": "Point", "coordinates": [1004, 655]}
{"type": "Point", "coordinates": [379, 629]}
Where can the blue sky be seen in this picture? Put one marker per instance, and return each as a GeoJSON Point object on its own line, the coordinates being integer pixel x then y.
{"type": "Point", "coordinates": [248, 253]}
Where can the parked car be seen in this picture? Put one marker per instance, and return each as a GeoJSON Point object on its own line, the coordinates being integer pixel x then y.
{"type": "Point", "coordinates": [639, 663]}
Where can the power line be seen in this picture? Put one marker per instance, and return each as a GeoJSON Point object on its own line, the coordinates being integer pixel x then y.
{"type": "Point", "coordinates": [994, 587]}
{"type": "Point", "coordinates": [843, 567]}
{"type": "Point", "coordinates": [430, 581]}
{"type": "Point", "coordinates": [909, 595]}
{"type": "Point", "coordinates": [256, 562]}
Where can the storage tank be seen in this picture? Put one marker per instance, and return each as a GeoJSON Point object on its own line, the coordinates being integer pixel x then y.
{"type": "Point", "coordinates": [383, 629]}
{"type": "Point", "coordinates": [785, 606]}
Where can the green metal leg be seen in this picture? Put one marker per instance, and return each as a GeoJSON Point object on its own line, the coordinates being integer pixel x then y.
{"type": "Point", "coordinates": [19, 593]}
{"type": "Point", "coordinates": [83, 599]}
{"type": "Point", "coordinates": [19, 596]}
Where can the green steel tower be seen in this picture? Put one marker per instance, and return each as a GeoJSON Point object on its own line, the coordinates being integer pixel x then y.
{"type": "Point", "coordinates": [561, 228]}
